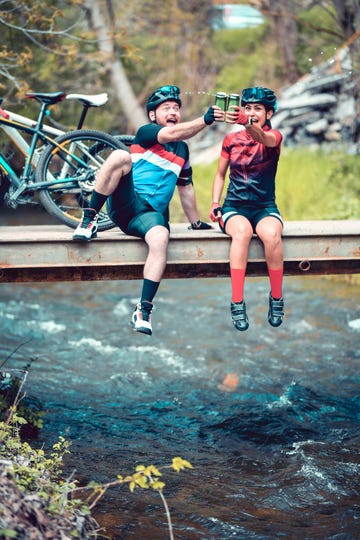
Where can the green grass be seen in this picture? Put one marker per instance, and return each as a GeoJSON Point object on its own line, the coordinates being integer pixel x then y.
{"type": "Point", "coordinates": [310, 185]}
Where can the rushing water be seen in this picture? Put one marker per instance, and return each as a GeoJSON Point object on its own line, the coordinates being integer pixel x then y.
{"type": "Point", "coordinates": [268, 418]}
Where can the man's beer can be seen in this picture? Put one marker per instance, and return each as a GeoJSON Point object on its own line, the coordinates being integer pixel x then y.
{"type": "Point", "coordinates": [221, 101]}
{"type": "Point", "coordinates": [234, 99]}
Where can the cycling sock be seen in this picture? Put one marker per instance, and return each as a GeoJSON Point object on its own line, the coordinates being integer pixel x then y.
{"type": "Point", "coordinates": [276, 278]}
{"type": "Point", "coordinates": [97, 201]}
{"type": "Point", "coordinates": [237, 283]}
{"type": "Point", "coordinates": [149, 290]}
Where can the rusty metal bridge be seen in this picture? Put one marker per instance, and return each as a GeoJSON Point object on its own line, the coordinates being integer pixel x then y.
{"type": "Point", "coordinates": [48, 253]}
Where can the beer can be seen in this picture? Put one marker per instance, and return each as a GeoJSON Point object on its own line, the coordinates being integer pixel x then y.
{"type": "Point", "coordinates": [234, 99]}
{"type": "Point", "coordinates": [221, 101]}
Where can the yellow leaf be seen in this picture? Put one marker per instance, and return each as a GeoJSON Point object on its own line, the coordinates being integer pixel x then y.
{"type": "Point", "coordinates": [158, 485]}
{"type": "Point", "coordinates": [132, 486]}
{"type": "Point", "coordinates": [178, 464]}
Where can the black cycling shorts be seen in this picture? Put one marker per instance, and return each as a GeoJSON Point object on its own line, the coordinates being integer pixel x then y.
{"type": "Point", "coordinates": [253, 213]}
{"type": "Point", "coordinates": [131, 212]}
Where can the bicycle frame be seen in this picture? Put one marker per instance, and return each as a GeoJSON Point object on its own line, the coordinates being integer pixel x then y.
{"type": "Point", "coordinates": [12, 124]}
{"type": "Point", "coordinates": [23, 183]}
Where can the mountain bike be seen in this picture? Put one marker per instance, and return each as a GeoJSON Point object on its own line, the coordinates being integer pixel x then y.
{"type": "Point", "coordinates": [60, 168]}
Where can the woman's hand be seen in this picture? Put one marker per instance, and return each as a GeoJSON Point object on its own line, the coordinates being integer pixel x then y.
{"type": "Point", "coordinates": [215, 212]}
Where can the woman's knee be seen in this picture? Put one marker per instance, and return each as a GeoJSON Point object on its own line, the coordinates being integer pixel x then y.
{"type": "Point", "coordinates": [242, 232]}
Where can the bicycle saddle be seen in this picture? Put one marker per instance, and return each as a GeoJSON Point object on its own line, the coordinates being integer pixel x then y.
{"type": "Point", "coordinates": [91, 101]}
{"type": "Point", "coordinates": [49, 99]}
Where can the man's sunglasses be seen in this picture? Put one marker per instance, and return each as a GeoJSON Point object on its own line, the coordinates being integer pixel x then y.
{"type": "Point", "coordinates": [171, 91]}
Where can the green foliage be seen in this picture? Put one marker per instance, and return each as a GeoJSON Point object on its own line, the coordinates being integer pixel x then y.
{"type": "Point", "coordinates": [34, 472]}
{"type": "Point", "coordinates": [66, 56]}
{"type": "Point", "coordinates": [240, 56]}
{"type": "Point", "coordinates": [317, 184]}
{"type": "Point", "coordinates": [31, 469]}
{"type": "Point", "coordinates": [318, 37]}
{"type": "Point", "coordinates": [310, 184]}
{"type": "Point", "coordinates": [28, 408]}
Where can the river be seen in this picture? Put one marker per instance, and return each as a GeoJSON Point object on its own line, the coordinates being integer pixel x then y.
{"type": "Point", "coordinates": [268, 418]}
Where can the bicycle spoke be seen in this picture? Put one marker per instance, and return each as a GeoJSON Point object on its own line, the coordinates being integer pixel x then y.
{"type": "Point", "coordinates": [70, 170]}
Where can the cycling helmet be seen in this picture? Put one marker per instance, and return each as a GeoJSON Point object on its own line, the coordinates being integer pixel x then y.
{"type": "Point", "coordinates": [162, 94]}
{"type": "Point", "coordinates": [258, 94]}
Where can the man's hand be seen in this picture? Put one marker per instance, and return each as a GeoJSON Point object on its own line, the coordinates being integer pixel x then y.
{"type": "Point", "coordinates": [215, 212]}
{"type": "Point", "coordinates": [209, 116]}
{"type": "Point", "coordinates": [200, 225]}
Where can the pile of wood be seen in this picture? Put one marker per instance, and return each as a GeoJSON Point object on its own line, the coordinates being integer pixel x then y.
{"type": "Point", "coordinates": [320, 107]}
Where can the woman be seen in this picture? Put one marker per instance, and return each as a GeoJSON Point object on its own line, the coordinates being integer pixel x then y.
{"type": "Point", "coordinates": [252, 155]}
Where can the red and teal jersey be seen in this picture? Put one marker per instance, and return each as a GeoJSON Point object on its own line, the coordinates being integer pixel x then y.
{"type": "Point", "coordinates": [252, 167]}
{"type": "Point", "coordinates": [158, 168]}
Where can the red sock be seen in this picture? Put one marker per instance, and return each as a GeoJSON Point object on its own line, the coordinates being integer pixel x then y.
{"type": "Point", "coordinates": [276, 279]}
{"type": "Point", "coordinates": [237, 284]}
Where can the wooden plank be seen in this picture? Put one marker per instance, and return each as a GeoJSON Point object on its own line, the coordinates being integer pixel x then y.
{"type": "Point", "coordinates": [48, 253]}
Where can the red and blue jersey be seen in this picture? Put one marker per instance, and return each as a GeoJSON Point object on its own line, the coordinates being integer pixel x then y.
{"type": "Point", "coordinates": [158, 168]}
{"type": "Point", "coordinates": [252, 167]}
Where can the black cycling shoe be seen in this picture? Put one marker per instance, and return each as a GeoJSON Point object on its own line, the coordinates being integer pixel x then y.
{"type": "Point", "coordinates": [276, 311]}
{"type": "Point", "coordinates": [238, 314]}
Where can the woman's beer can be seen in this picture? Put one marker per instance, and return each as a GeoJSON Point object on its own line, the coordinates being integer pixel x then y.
{"type": "Point", "coordinates": [234, 99]}
{"type": "Point", "coordinates": [221, 101]}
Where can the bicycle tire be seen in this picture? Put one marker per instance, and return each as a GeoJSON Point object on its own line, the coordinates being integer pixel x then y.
{"type": "Point", "coordinates": [126, 140]}
{"type": "Point", "coordinates": [70, 169]}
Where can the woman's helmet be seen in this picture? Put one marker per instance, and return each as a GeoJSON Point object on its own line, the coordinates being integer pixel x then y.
{"type": "Point", "coordinates": [162, 94]}
{"type": "Point", "coordinates": [258, 94]}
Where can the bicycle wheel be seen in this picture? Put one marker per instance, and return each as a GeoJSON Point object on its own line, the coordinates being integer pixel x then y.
{"type": "Point", "coordinates": [126, 140]}
{"type": "Point", "coordinates": [69, 171]}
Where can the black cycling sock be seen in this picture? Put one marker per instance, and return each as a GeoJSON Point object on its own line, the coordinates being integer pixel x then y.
{"type": "Point", "coordinates": [149, 290]}
{"type": "Point", "coordinates": [97, 201]}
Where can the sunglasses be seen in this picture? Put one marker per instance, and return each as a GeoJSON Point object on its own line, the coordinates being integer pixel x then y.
{"type": "Point", "coordinates": [253, 93]}
{"type": "Point", "coordinates": [167, 91]}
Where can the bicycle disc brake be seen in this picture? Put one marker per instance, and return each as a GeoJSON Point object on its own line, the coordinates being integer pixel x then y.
{"type": "Point", "coordinates": [87, 182]}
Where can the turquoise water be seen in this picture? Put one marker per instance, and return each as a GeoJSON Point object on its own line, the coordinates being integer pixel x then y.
{"type": "Point", "coordinates": [268, 418]}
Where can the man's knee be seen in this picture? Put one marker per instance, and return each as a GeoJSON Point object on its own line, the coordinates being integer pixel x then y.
{"type": "Point", "coordinates": [157, 237]}
{"type": "Point", "coordinates": [119, 159]}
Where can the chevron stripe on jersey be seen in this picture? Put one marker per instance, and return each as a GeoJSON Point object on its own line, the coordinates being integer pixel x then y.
{"type": "Point", "coordinates": [158, 156]}
{"type": "Point", "coordinates": [156, 170]}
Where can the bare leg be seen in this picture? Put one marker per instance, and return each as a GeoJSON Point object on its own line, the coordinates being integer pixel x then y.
{"type": "Point", "coordinates": [112, 170]}
{"type": "Point", "coordinates": [269, 231]}
{"type": "Point", "coordinates": [157, 239]}
{"type": "Point", "coordinates": [240, 231]}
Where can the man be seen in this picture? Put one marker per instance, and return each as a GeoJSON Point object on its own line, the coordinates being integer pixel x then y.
{"type": "Point", "coordinates": [251, 155]}
{"type": "Point", "coordinates": [138, 188]}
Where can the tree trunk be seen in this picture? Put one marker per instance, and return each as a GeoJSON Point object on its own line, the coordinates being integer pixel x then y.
{"type": "Point", "coordinates": [348, 15]}
{"type": "Point", "coordinates": [123, 91]}
{"type": "Point", "coordinates": [285, 31]}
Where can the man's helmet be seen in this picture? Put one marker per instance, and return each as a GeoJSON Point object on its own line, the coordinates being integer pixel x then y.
{"type": "Point", "coordinates": [258, 94]}
{"type": "Point", "coordinates": [162, 94]}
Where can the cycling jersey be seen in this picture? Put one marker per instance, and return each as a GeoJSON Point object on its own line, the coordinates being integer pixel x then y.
{"type": "Point", "coordinates": [158, 168]}
{"type": "Point", "coordinates": [252, 168]}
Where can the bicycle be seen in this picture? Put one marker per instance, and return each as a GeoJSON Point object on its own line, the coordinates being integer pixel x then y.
{"type": "Point", "coordinates": [60, 168]}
